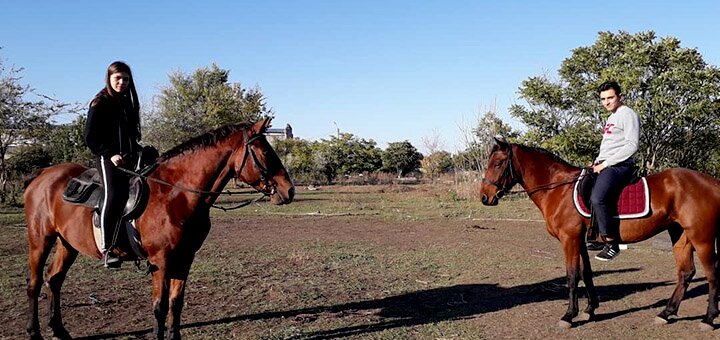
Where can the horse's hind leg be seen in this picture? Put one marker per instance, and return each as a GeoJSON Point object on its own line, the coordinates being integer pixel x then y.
{"type": "Point", "coordinates": [40, 246]}
{"type": "Point", "coordinates": [63, 259]}
{"type": "Point", "coordinates": [683, 253]}
{"type": "Point", "coordinates": [707, 256]}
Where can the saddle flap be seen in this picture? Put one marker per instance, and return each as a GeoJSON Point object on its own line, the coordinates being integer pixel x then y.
{"type": "Point", "coordinates": [80, 189]}
{"type": "Point", "coordinates": [138, 195]}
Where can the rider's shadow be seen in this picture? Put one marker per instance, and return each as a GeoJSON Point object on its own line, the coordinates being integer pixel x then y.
{"type": "Point", "coordinates": [469, 301]}
{"type": "Point", "coordinates": [440, 304]}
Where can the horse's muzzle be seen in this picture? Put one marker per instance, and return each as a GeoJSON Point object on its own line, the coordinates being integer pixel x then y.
{"type": "Point", "coordinates": [280, 198]}
{"type": "Point", "coordinates": [492, 201]}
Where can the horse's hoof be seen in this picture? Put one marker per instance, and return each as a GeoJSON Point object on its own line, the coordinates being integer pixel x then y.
{"type": "Point", "coordinates": [706, 327]}
{"type": "Point", "coordinates": [660, 321]}
{"type": "Point", "coordinates": [564, 324]}
{"type": "Point", "coordinates": [583, 316]}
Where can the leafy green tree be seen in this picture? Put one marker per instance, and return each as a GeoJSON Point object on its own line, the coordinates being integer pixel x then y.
{"type": "Point", "coordinates": [346, 154]}
{"type": "Point", "coordinates": [300, 159]}
{"type": "Point", "coordinates": [480, 139]}
{"type": "Point", "coordinates": [473, 158]}
{"type": "Point", "coordinates": [29, 158]}
{"type": "Point", "coordinates": [673, 90]}
{"type": "Point", "coordinates": [20, 117]}
{"type": "Point", "coordinates": [65, 143]}
{"type": "Point", "coordinates": [401, 157]}
{"type": "Point", "coordinates": [491, 126]}
{"type": "Point", "coordinates": [193, 104]}
{"type": "Point", "coordinates": [437, 163]}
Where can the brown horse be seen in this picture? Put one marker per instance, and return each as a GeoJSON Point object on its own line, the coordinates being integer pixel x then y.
{"type": "Point", "coordinates": [684, 202]}
{"type": "Point", "coordinates": [173, 226]}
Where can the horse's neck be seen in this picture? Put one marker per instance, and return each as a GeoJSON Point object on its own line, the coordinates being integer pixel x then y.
{"type": "Point", "coordinates": [204, 169]}
{"type": "Point", "coordinates": [538, 170]}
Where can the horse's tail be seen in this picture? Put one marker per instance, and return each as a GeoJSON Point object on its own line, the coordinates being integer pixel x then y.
{"type": "Point", "coordinates": [31, 177]}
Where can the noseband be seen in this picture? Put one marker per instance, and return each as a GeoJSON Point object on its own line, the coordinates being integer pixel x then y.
{"type": "Point", "coordinates": [506, 177]}
{"type": "Point", "coordinates": [269, 188]}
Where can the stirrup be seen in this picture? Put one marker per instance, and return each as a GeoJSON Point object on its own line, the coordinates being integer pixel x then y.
{"type": "Point", "coordinates": [111, 260]}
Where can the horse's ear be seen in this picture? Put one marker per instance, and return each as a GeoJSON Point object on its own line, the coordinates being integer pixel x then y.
{"type": "Point", "coordinates": [266, 123]}
{"type": "Point", "coordinates": [261, 125]}
{"type": "Point", "coordinates": [500, 140]}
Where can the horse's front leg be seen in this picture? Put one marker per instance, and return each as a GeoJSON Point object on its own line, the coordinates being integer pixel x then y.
{"type": "Point", "coordinates": [177, 299]}
{"type": "Point", "coordinates": [177, 295]}
{"type": "Point", "coordinates": [571, 249]}
{"type": "Point", "coordinates": [587, 277]}
{"type": "Point", "coordinates": [161, 285]}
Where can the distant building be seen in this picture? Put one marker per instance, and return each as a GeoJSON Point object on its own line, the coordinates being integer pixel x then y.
{"type": "Point", "coordinates": [279, 133]}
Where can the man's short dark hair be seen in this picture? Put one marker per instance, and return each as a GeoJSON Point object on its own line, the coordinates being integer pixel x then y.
{"type": "Point", "coordinates": [610, 85]}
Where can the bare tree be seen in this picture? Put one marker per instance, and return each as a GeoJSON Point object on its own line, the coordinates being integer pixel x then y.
{"type": "Point", "coordinates": [432, 141]}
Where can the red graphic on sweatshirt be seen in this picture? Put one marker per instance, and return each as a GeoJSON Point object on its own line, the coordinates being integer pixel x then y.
{"type": "Point", "coordinates": [607, 128]}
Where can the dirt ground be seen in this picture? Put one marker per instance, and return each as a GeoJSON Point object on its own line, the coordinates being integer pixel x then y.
{"type": "Point", "coordinates": [323, 277]}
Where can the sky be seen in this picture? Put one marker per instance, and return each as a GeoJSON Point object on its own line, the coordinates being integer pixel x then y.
{"type": "Point", "coordinates": [388, 70]}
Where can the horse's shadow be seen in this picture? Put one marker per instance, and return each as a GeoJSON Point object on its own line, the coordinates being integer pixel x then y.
{"type": "Point", "coordinates": [441, 304]}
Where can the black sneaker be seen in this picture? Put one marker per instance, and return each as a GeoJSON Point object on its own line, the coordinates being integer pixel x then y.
{"type": "Point", "coordinates": [595, 245]}
{"type": "Point", "coordinates": [609, 252]}
{"type": "Point", "coordinates": [110, 260]}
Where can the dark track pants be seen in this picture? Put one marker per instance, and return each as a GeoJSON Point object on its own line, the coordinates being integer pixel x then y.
{"type": "Point", "coordinates": [114, 198]}
{"type": "Point", "coordinates": [605, 195]}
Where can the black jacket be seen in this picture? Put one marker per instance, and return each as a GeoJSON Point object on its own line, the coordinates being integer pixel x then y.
{"type": "Point", "coordinates": [112, 127]}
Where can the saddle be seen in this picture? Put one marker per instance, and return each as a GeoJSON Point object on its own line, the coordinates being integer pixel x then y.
{"type": "Point", "coordinates": [634, 200]}
{"type": "Point", "coordinates": [87, 190]}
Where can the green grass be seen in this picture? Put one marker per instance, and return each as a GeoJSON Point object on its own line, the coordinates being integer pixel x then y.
{"type": "Point", "coordinates": [11, 216]}
{"type": "Point", "coordinates": [404, 203]}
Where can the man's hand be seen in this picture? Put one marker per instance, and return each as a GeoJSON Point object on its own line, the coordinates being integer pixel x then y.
{"type": "Point", "coordinates": [598, 167]}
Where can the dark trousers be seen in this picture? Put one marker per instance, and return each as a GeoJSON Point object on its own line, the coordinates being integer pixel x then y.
{"type": "Point", "coordinates": [114, 198]}
{"type": "Point", "coordinates": [605, 195]}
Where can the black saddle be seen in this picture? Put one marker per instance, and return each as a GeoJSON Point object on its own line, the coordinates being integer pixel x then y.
{"type": "Point", "coordinates": [87, 190]}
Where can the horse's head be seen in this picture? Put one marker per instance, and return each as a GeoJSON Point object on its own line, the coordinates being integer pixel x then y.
{"type": "Point", "coordinates": [259, 166]}
{"type": "Point", "coordinates": [500, 174]}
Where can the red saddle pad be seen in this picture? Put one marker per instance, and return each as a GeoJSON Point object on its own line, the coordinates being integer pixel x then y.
{"type": "Point", "coordinates": [634, 201]}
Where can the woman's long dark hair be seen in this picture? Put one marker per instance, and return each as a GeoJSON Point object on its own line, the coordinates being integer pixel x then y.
{"type": "Point", "coordinates": [124, 98]}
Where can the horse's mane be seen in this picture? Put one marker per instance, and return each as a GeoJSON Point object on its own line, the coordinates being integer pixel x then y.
{"type": "Point", "coordinates": [547, 153]}
{"type": "Point", "coordinates": [208, 139]}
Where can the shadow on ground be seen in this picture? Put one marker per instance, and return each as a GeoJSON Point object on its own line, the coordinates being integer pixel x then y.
{"type": "Point", "coordinates": [442, 304]}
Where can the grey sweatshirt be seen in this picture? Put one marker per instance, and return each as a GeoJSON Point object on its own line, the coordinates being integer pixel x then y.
{"type": "Point", "coordinates": [621, 136]}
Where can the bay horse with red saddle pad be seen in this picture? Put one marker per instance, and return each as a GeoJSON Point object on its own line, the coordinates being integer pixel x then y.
{"type": "Point", "coordinates": [173, 226]}
{"type": "Point", "coordinates": [684, 202]}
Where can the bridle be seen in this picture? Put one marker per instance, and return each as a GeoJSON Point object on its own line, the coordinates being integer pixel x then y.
{"type": "Point", "coordinates": [269, 188]}
{"type": "Point", "coordinates": [507, 177]}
